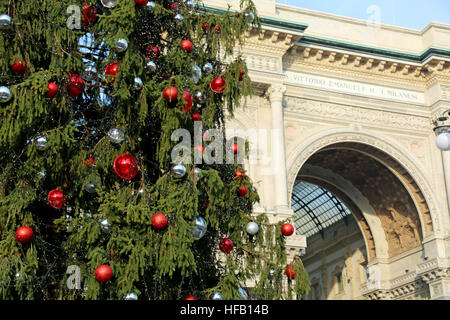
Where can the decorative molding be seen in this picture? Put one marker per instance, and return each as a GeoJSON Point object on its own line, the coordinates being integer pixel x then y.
{"type": "Point", "coordinates": [276, 92]}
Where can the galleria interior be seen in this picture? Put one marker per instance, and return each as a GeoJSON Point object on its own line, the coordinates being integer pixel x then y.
{"type": "Point", "coordinates": [350, 107]}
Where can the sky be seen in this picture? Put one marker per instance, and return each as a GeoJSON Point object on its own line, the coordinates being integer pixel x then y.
{"type": "Point", "coordinates": [414, 14]}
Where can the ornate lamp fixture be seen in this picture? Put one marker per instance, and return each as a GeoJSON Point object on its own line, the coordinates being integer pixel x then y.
{"type": "Point", "coordinates": [442, 131]}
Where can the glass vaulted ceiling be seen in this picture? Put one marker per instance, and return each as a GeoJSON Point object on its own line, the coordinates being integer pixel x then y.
{"type": "Point", "coordinates": [315, 208]}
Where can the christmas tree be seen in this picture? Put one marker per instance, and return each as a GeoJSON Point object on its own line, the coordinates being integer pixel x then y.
{"type": "Point", "coordinates": [94, 202]}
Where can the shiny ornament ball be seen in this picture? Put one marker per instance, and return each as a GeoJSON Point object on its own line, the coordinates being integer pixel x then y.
{"type": "Point", "coordinates": [217, 28]}
{"type": "Point", "coordinates": [290, 272]}
{"type": "Point", "coordinates": [88, 14]}
{"type": "Point", "coordinates": [251, 15]}
{"type": "Point", "coordinates": [150, 6]}
{"type": "Point", "coordinates": [287, 229]}
{"type": "Point", "coordinates": [103, 273]}
{"type": "Point", "coordinates": [141, 3]}
{"type": "Point", "coordinates": [24, 234]}
{"type": "Point", "coordinates": [19, 67]}
{"type": "Point", "coordinates": [151, 66]}
{"type": "Point", "coordinates": [216, 296]}
{"type": "Point", "coordinates": [208, 67]}
{"type": "Point", "coordinates": [89, 73]}
{"type": "Point", "coordinates": [159, 221]}
{"type": "Point", "coordinates": [153, 52]}
{"type": "Point", "coordinates": [199, 148]}
{"type": "Point", "coordinates": [42, 175]}
{"type": "Point", "coordinates": [186, 45]}
{"type": "Point", "coordinates": [138, 84]}
{"type": "Point", "coordinates": [111, 72]}
{"type": "Point", "coordinates": [196, 74]}
{"type": "Point", "coordinates": [190, 297]}
{"type": "Point", "coordinates": [243, 294]}
{"type": "Point", "coordinates": [218, 85]}
{"type": "Point", "coordinates": [198, 96]}
{"type": "Point", "coordinates": [75, 85]}
{"type": "Point", "coordinates": [105, 224]}
{"type": "Point", "coordinates": [197, 171]}
{"type": "Point", "coordinates": [170, 94]}
{"type": "Point", "coordinates": [116, 135]}
{"type": "Point", "coordinates": [271, 273]}
{"type": "Point", "coordinates": [52, 90]}
{"type": "Point", "coordinates": [179, 19]}
{"type": "Point", "coordinates": [204, 26]}
{"type": "Point", "coordinates": [190, 4]}
{"type": "Point", "coordinates": [179, 170]}
{"type": "Point", "coordinates": [5, 94]}
{"type": "Point", "coordinates": [443, 141]}
{"type": "Point", "coordinates": [90, 187]}
{"type": "Point", "coordinates": [188, 98]}
{"type": "Point", "coordinates": [131, 296]}
{"type": "Point", "coordinates": [240, 174]}
{"type": "Point", "coordinates": [200, 228]}
{"type": "Point", "coordinates": [109, 3]}
{"type": "Point", "coordinates": [242, 191]}
{"type": "Point", "coordinates": [56, 198]}
{"type": "Point", "coordinates": [89, 162]}
{"type": "Point", "coordinates": [252, 228]}
{"type": "Point", "coordinates": [226, 245]}
{"type": "Point", "coordinates": [196, 116]}
{"type": "Point", "coordinates": [126, 166]}
{"type": "Point", "coordinates": [41, 142]}
{"type": "Point", "coordinates": [121, 45]}
{"type": "Point", "coordinates": [5, 21]}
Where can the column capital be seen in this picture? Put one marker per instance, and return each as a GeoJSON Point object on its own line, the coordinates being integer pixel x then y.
{"type": "Point", "coordinates": [276, 92]}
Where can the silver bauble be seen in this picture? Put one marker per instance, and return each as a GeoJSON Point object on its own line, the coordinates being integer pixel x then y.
{"type": "Point", "coordinates": [42, 175]}
{"type": "Point", "coordinates": [5, 94]}
{"type": "Point", "coordinates": [198, 96]}
{"type": "Point", "coordinates": [252, 16]}
{"type": "Point", "coordinates": [197, 171]}
{"type": "Point", "coordinates": [243, 293]}
{"type": "Point", "coordinates": [190, 4]}
{"type": "Point", "coordinates": [196, 74]}
{"type": "Point", "coordinates": [208, 67]}
{"type": "Point", "coordinates": [116, 135]}
{"type": "Point", "coordinates": [109, 3]}
{"type": "Point", "coordinates": [179, 170]}
{"type": "Point", "coordinates": [150, 6]}
{"type": "Point", "coordinates": [17, 274]}
{"type": "Point", "coordinates": [179, 19]}
{"type": "Point", "coordinates": [131, 296]}
{"type": "Point", "coordinates": [271, 273]}
{"type": "Point", "coordinates": [90, 187]}
{"type": "Point", "coordinates": [141, 192]}
{"type": "Point", "coordinates": [200, 227]}
{"type": "Point", "coordinates": [41, 142]}
{"type": "Point", "coordinates": [216, 296]}
{"type": "Point", "coordinates": [5, 21]}
{"type": "Point", "coordinates": [151, 66]}
{"type": "Point", "coordinates": [138, 84]}
{"type": "Point", "coordinates": [252, 228]}
{"type": "Point", "coordinates": [105, 224]}
{"type": "Point", "coordinates": [121, 45]}
{"type": "Point", "coordinates": [89, 74]}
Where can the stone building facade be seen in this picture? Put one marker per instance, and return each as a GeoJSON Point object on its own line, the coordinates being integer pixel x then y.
{"type": "Point", "coordinates": [347, 105]}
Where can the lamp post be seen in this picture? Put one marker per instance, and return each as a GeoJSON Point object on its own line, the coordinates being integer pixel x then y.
{"type": "Point", "coordinates": [442, 131]}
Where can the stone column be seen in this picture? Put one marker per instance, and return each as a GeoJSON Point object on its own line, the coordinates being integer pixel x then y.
{"type": "Point", "coordinates": [279, 172]}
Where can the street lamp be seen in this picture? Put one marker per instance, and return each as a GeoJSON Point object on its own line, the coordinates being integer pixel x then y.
{"type": "Point", "coordinates": [442, 131]}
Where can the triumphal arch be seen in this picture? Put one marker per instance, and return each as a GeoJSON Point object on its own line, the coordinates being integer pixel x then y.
{"type": "Point", "coordinates": [347, 108]}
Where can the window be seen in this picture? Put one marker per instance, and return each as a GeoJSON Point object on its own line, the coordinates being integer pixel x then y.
{"type": "Point", "coordinates": [316, 292]}
{"type": "Point", "coordinates": [340, 285]}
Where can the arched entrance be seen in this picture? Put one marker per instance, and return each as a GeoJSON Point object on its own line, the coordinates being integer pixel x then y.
{"type": "Point", "coordinates": [386, 214]}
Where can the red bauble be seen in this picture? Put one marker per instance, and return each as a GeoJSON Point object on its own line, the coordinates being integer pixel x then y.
{"type": "Point", "coordinates": [52, 89]}
{"type": "Point", "coordinates": [24, 234]}
{"type": "Point", "coordinates": [217, 27]}
{"type": "Point", "coordinates": [235, 148]}
{"type": "Point", "coordinates": [153, 52]}
{"type": "Point", "coordinates": [242, 191]}
{"type": "Point", "coordinates": [241, 75]}
{"type": "Point", "coordinates": [187, 45]}
{"type": "Point", "coordinates": [287, 229]}
{"type": "Point", "coordinates": [188, 98]}
{"type": "Point", "coordinates": [126, 166]}
{"type": "Point", "coordinates": [103, 273]}
{"type": "Point", "coordinates": [76, 85]}
{"type": "Point", "coordinates": [205, 205]}
{"type": "Point", "coordinates": [290, 273]}
{"type": "Point", "coordinates": [19, 67]}
{"type": "Point", "coordinates": [218, 85]}
{"type": "Point", "coordinates": [56, 198]}
{"type": "Point", "coordinates": [204, 26]}
{"type": "Point", "coordinates": [89, 14]}
{"type": "Point", "coordinates": [196, 116]}
{"type": "Point", "coordinates": [159, 221]}
{"type": "Point", "coordinates": [240, 174]}
{"type": "Point", "coordinates": [190, 297]}
{"type": "Point", "coordinates": [170, 94]}
{"type": "Point", "coordinates": [141, 3]}
{"type": "Point", "coordinates": [199, 148]}
{"type": "Point", "coordinates": [111, 71]}
{"type": "Point", "coordinates": [226, 245]}
{"type": "Point", "coordinates": [89, 162]}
